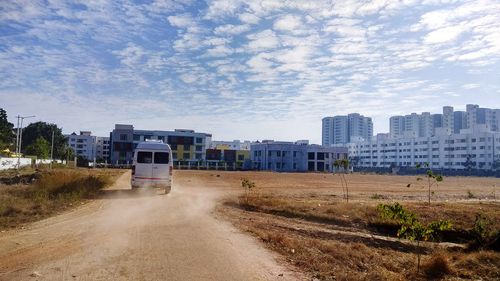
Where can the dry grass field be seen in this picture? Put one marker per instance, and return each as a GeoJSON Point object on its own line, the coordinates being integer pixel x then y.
{"type": "Point", "coordinates": [305, 218]}
{"type": "Point", "coordinates": [36, 194]}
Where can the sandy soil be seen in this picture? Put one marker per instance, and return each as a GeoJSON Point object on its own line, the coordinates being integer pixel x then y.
{"type": "Point", "coordinates": [130, 235]}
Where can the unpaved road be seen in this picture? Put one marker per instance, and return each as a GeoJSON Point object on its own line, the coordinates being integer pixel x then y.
{"type": "Point", "coordinates": [134, 236]}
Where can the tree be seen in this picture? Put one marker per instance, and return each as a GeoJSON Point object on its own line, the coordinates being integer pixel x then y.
{"type": "Point", "coordinates": [6, 130]}
{"type": "Point", "coordinates": [42, 129]}
{"type": "Point", "coordinates": [343, 164]}
{"type": "Point", "coordinates": [410, 227]}
{"type": "Point", "coordinates": [247, 185]}
{"type": "Point", "coordinates": [432, 179]}
{"type": "Point", "coordinates": [469, 164]}
{"type": "Point", "coordinates": [40, 148]}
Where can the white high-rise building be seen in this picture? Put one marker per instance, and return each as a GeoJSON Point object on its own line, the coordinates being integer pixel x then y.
{"type": "Point", "coordinates": [448, 118]}
{"type": "Point", "coordinates": [343, 129]}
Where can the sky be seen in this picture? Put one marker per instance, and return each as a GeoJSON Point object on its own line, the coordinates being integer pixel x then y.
{"type": "Point", "coordinates": [248, 70]}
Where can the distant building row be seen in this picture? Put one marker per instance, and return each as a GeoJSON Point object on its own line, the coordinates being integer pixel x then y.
{"type": "Point", "coordinates": [355, 127]}
{"type": "Point", "coordinates": [477, 149]}
{"type": "Point", "coordinates": [190, 148]}
{"type": "Point", "coordinates": [450, 121]}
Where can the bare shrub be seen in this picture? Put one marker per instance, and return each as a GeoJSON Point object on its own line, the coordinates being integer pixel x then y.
{"type": "Point", "coordinates": [437, 266]}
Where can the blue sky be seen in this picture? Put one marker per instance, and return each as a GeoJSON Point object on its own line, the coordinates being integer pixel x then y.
{"type": "Point", "coordinates": [267, 69]}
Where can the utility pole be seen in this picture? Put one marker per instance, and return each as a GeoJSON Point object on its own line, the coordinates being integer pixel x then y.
{"type": "Point", "coordinates": [17, 135]}
{"type": "Point", "coordinates": [52, 150]}
{"type": "Point", "coordinates": [20, 138]}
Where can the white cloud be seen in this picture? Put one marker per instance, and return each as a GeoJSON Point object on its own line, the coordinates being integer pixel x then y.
{"type": "Point", "coordinates": [444, 35]}
{"type": "Point", "coordinates": [263, 40]}
{"type": "Point", "coordinates": [131, 55]}
{"type": "Point", "coordinates": [288, 23]}
{"type": "Point", "coordinates": [183, 21]}
{"type": "Point", "coordinates": [231, 29]}
{"type": "Point", "coordinates": [249, 18]}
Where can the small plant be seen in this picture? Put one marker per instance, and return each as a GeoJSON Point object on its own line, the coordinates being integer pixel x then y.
{"type": "Point", "coordinates": [377, 196]}
{"type": "Point", "coordinates": [344, 165]}
{"type": "Point", "coordinates": [247, 185]}
{"type": "Point", "coordinates": [470, 195]}
{"type": "Point", "coordinates": [483, 232]}
{"type": "Point", "coordinates": [432, 179]}
{"type": "Point", "coordinates": [410, 227]}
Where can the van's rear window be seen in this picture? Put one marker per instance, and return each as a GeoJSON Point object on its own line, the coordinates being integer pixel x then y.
{"type": "Point", "coordinates": [145, 157]}
{"type": "Point", "coordinates": [161, 157]}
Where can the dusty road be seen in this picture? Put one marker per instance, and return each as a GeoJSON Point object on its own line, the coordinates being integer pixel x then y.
{"type": "Point", "coordinates": [133, 236]}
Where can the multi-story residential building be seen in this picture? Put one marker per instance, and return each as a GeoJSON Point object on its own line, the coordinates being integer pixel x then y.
{"type": "Point", "coordinates": [102, 149]}
{"type": "Point", "coordinates": [83, 144]}
{"type": "Point", "coordinates": [295, 156]}
{"type": "Point", "coordinates": [448, 118]}
{"type": "Point", "coordinates": [344, 129]}
{"type": "Point", "coordinates": [459, 121]}
{"type": "Point", "coordinates": [477, 148]}
{"type": "Point", "coordinates": [187, 145]}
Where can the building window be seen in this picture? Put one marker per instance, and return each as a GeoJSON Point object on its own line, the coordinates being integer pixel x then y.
{"type": "Point", "coordinates": [241, 157]}
{"type": "Point", "coordinates": [198, 156]}
{"type": "Point", "coordinates": [310, 155]}
{"type": "Point", "coordinates": [123, 137]}
{"type": "Point", "coordinates": [278, 153]}
{"type": "Point", "coordinates": [295, 154]}
{"type": "Point", "coordinates": [310, 165]}
{"type": "Point", "coordinates": [186, 155]}
{"type": "Point", "coordinates": [199, 148]}
{"type": "Point", "coordinates": [295, 166]}
{"type": "Point", "coordinates": [199, 140]}
{"type": "Point", "coordinates": [278, 165]}
{"type": "Point", "coordinates": [174, 155]}
{"type": "Point", "coordinates": [137, 137]}
{"type": "Point", "coordinates": [321, 156]}
{"type": "Point", "coordinates": [269, 153]}
{"type": "Point", "coordinates": [187, 147]}
{"type": "Point", "coordinates": [173, 147]}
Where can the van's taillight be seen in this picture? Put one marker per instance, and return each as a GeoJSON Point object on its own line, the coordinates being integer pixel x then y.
{"type": "Point", "coordinates": [170, 170]}
{"type": "Point", "coordinates": [133, 170]}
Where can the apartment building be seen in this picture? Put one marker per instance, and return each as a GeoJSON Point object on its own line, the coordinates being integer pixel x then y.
{"type": "Point", "coordinates": [477, 148]}
{"type": "Point", "coordinates": [83, 145]}
{"type": "Point", "coordinates": [187, 145]}
{"type": "Point", "coordinates": [297, 156]}
{"type": "Point", "coordinates": [344, 129]}
{"type": "Point", "coordinates": [102, 149]}
{"type": "Point", "coordinates": [426, 124]}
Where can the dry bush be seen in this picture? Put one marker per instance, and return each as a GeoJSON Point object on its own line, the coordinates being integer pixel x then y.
{"type": "Point", "coordinates": [437, 266]}
{"type": "Point", "coordinates": [54, 190]}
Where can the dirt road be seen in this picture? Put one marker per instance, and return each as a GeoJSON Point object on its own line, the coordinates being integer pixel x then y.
{"type": "Point", "coordinates": [136, 236]}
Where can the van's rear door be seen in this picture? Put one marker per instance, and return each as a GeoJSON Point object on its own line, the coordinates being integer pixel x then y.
{"type": "Point", "coordinates": [144, 165]}
{"type": "Point", "coordinates": [161, 165]}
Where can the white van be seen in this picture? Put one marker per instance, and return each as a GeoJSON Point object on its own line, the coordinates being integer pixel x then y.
{"type": "Point", "coordinates": [152, 165]}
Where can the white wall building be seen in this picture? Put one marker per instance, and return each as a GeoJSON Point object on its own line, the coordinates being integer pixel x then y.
{"type": "Point", "coordinates": [478, 147]}
{"type": "Point", "coordinates": [88, 146]}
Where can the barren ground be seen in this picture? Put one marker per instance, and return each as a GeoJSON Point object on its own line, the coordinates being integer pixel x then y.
{"type": "Point", "coordinates": [139, 236]}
